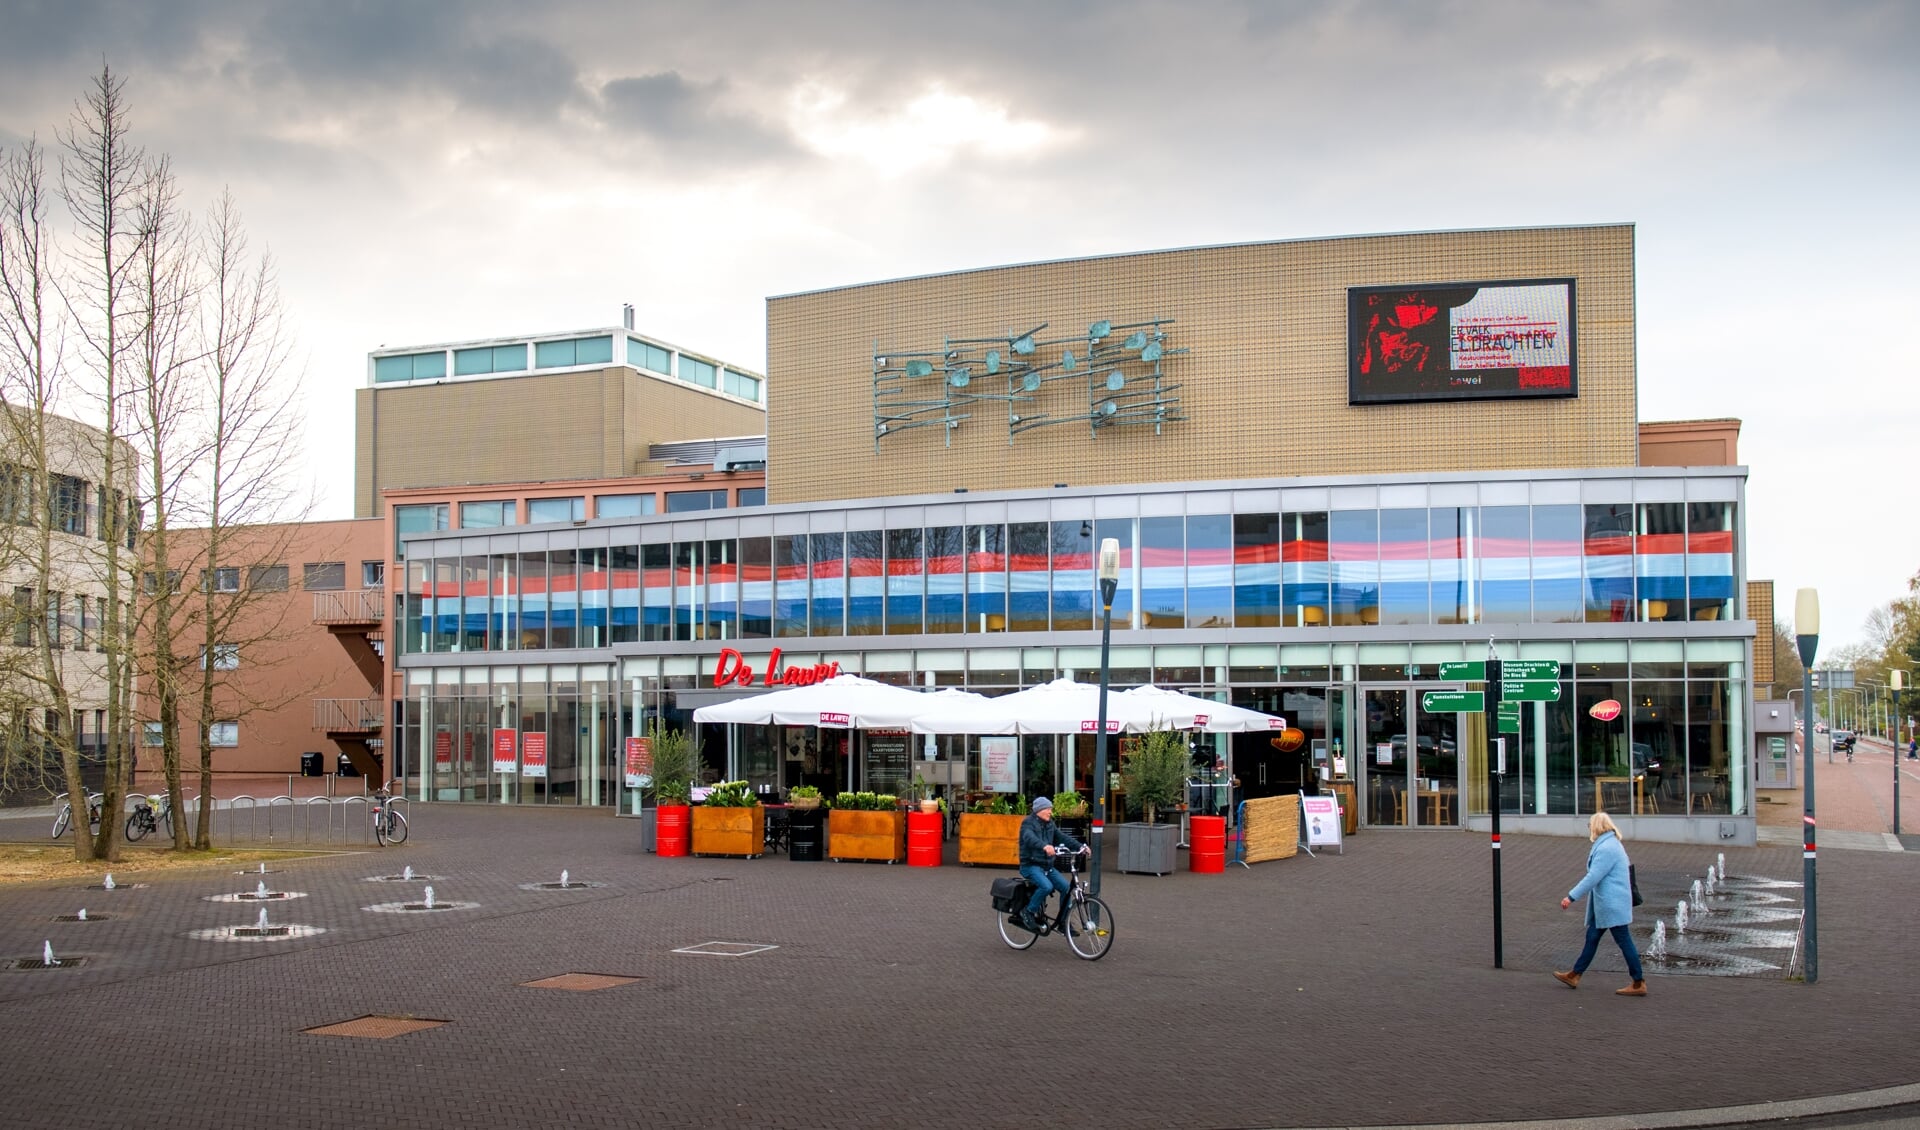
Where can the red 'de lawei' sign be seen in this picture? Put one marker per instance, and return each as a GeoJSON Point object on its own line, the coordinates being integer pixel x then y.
{"type": "Point", "coordinates": [1606, 710]}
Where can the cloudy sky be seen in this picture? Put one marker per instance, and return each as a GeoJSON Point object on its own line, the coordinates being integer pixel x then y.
{"type": "Point", "coordinates": [431, 171]}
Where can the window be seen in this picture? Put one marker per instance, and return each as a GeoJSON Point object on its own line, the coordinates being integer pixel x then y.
{"type": "Point", "coordinates": [150, 735]}
{"type": "Point", "coordinates": [644, 355]}
{"type": "Point", "coordinates": [579, 351]}
{"type": "Point", "coordinates": [267, 578]}
{"type": "Point", "coordinates": [223, 578]}
{"type": "Point", "coordinates": [324, 576]}
{"type": "Point", "coordinates": [67, 504]}
{"type": "Point", "coordinates": [743, 386]}
{"type": "Point", "coordinates": [24, 614]}
{"type": "Point", "coordinates": [753, 496]}
{"type": "Point", "coordinates": [224, 735]}
{"type": "Point", "coordinates": [479, 515]}
{"type": "Point", "coordinates": [695, 371]}
{"type": "Point", "coordinates": [556, 509]}
{"type": "Point", "coordinates": [416, 520]}
{"type": "Point", "coordinates": [54, 639]}
{"type": "Point", "coordinates": [226, 657]}
{"type": "Point", "coordinates": [489, 359]}
{"type": "Point", "coordinates": [410, 367]}
{"type": "Point", "coordinates": [16, 494]}
{"type": "Point", "coordinates": [87, 624]}
{"type": "Point", "coordinates": [682, 501]}
{"type": "Point", "coordinates": [622, 505]}
{"type": "Point", "coordinates": [373, 574]}
{"type": "Point", "coordinates": [100, 619]}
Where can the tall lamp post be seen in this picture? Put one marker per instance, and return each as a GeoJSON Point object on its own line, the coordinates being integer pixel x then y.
{"type": "Point", "coordinates": [1109, 581]}
{"type": "Point", "coordinates": [1898, 681]}
{"type": "Point", "coordinates": [1806, 628]}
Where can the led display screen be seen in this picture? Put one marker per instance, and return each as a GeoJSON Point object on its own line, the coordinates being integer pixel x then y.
{"type": "Point", "coordinates": [1461, 341]}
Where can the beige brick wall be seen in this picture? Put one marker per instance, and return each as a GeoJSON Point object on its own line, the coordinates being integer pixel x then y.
{"type": "Point", "coordinates": [580, 425]}
{"type": "Point", "coordinates": [1265, 379]}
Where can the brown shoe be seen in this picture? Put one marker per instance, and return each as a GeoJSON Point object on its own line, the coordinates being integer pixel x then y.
{"type": "Point", "coordinates": [1571, 980]}
{"type": "Point", "coordinates": [1637, 989]}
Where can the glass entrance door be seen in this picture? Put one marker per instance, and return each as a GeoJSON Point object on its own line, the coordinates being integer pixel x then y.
{"type": "Point", "coordinates": [1411, 760]}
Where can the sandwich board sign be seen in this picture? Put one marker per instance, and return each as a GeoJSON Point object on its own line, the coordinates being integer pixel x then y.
{"type": "Point", "coordinates": [1320, 822]}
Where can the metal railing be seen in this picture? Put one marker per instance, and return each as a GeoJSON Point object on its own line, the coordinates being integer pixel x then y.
{"type": "Point", "coordinates": [348, 714]}
{"type": "Point", "coordinates": [350, 606]}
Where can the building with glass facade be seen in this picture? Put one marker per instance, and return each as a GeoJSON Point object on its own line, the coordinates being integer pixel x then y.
{"type": "Point", "coordinates": [1501, 510]}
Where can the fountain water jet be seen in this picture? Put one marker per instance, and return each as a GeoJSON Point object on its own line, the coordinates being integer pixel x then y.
{"type": "Point", "coordinates": [429, 898]}
{"type": "Point", "coordinates": [83, 914]}
{"type": "Point", "coordinates": [260, 891]}
{"type": "Point", "coordinates": [1680, 916]}
{"type": "Point", "coordinates": [1657, 948]}
{"type": "Point", "coordinates": [1698, 900]}
{"type": "Point", "coordinates": [406, 873]}
{"type": "Point", "coordinates": [47, 956]}
{"type": "Point", "coordinates": [108, 884]}
{"type": "Point", "coordinates": [563, 878]}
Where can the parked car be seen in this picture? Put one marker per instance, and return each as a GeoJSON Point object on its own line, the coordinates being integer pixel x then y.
{"type": "Point", "coordinates": [1819, 727]}
{"type": "Point", "coordinates": [1842, 741]}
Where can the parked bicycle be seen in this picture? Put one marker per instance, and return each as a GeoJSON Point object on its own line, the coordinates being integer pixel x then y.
{"type": "Point", "coordinates": [389, 823]}
{"type": "Point", "coordinates": [149, 813]}
{"type": "Point", "coordinates": [65, 818]}
{"type": "Point", "coordinates": [1084, 919]}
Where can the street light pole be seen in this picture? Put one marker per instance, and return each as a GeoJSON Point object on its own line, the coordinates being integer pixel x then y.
{"type": "Point", "coordinates": [1109, 581]}
{"type": "Point", "coordinates": [1898, 680]}
{"type": "Point", "coordinates": [1806, 627]}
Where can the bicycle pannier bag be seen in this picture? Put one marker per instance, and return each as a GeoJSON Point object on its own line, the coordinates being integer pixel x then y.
{"type": "Point", "coordinates": [1007, 893]}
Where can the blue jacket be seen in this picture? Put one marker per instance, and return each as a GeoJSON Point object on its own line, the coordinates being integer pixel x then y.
{"type": "Point", "coordinates": [1606, 879]}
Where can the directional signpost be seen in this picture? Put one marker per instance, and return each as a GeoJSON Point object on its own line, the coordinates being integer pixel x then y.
{"type": "Point", "coordinates": [1530, 680]}
{"type": "Point", "coordinates": [1508, 714]}
{"type": "Point", "coordinates": [1473, 671]}
{"type": "Point", "coordinates": [1453, 702]}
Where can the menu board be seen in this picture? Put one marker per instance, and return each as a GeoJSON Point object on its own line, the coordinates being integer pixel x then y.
{"type": "Point", "coordinates": [887, 754]}
{"type": "Point", "coordinates": [1000, 764]}
{"type": "Point", "coordinates": [1320, 820]}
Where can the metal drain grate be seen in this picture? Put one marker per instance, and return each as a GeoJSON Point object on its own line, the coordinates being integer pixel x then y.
{"type": "Point", "coordinates": [581, 982]}
{"type": "Point", "coordinates": [41, 963]}
{"type": "Point", "coordinates": [77, 918]}
{"type": "Point", "coordinates": [728, 949]}
{"type": "Point", "coordinates": [375, 1027]}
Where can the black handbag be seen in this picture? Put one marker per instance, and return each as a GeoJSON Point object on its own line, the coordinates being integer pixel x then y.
{"type": "Point", "coordinates": [1633, 882]}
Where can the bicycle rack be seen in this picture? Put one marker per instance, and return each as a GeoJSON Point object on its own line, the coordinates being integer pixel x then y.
{"type": "Point", "coordinates": [233, 814]}
{"type": "Point", "coordinates": [271, 802]}
{"type": "Point", "coordinates": [347, 826]}
{"type": "Point", "coordinates": [306, 813]}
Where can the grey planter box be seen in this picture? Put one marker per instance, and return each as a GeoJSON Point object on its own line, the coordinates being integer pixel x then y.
{"type": "Point", "coordinates": [649, 818]}
{"type": "Point", "coordinates": [1147, 848]}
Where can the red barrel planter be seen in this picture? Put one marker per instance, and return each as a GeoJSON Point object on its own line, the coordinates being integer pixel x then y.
{"type": "Point", "coordinates": [673, 829]}
{"type": "Point", "coordinates": [1209, 853]}
{"type": "Point", "coordinates": [925, 842]}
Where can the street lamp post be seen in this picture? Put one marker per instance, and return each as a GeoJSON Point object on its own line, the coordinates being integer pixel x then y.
{"type": "Point", "coordinates": [1897, 679]}
{"type": "Point", "coordinates": [1806, 628]}
{"type": "Point", "coordinates": [1109, 581]}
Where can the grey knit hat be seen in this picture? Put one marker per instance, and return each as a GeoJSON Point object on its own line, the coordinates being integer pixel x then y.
{"type": "Point", "coordinates": [1041, 802]}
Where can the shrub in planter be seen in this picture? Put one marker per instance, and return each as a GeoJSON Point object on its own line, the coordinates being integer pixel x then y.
{"type": "Point", "coordinates": [1154, 774]}
{"type": "Point", "coordinates": [804, 796]}
{"type": "Point", "coordinates": [730, 822]}
{"type": "Point", "coordinates": [673, 766]}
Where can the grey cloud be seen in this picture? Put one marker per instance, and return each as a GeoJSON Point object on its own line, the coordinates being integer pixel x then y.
{"type": "Point", "coordinates": [673, 111]}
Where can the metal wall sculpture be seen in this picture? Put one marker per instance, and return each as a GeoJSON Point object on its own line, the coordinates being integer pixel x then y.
{"type": "Point", "coordinates": [1109, 377]}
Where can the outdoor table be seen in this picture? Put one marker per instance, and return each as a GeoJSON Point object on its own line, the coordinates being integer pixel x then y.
{"type": "Point", "coordinates": [1637, 797]}
{"type": "Point", "coordinates": [1436, 799]}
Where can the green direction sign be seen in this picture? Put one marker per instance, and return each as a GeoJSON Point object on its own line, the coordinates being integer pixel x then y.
{"type": "Point", "coordinates": [1453, 702]}
{"type": "Point", "coordinates": [1524, 669]}
{"type": "Point", "coordinates": [1530, 690]}
{"type": "Point", "coordinates": [1472, 671]}
{"type": "Point", "coordinates": [1509, 717]}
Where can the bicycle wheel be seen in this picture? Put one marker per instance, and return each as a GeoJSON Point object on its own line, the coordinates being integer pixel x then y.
{"type": "Point", "coordinates": [166, 820]}
{"type": "Point", "coordinates": [1013, 935]}
{"type": "Point", "coordinates": [137, 828]}
{"type": "Point", "coordinates": [1090, 928]}
{"type": "Point", "coordinates": [93, 820]}
{"type": "Point", "coordinates": [60, 822]}
{"type": "Point", "coordinates": [396, 828]}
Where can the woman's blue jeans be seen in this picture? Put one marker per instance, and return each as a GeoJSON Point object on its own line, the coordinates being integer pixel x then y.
{"type": "Point", "coordinates": [1621, 935]}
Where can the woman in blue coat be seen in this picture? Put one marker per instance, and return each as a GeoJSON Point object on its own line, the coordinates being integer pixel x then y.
{"type": "Point", "coordinates": [1608, 889]}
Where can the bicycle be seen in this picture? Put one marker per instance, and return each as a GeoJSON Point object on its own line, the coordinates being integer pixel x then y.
{"type": "Point", "coordinates": [149, 812]}
{"type": "Point", "coordinates": [389, 823]}
{"type": "Point", "coordinates": [1085, 919]}
{"type": "Point", "coordinates": [65, 818]}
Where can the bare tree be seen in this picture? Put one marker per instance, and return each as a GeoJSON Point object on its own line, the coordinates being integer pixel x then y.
{"type": "Point", "coordinates": [102, 176]}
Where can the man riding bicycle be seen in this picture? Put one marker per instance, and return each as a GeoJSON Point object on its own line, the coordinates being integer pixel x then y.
{"type": "Point", "coordinates": [1040, 841]}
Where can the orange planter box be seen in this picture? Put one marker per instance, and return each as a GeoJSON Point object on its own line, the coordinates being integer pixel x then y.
{"type": "Point", "coordinates": [990, 839]}
{"type": "Point", "coordinates": [729, 831]}
{"type": "Point", "coordinates": [880, 836]}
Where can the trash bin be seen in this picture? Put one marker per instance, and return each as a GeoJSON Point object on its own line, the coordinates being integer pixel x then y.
{"type": "Point", "coordinates": [313, 764]}
{"type": "Point", "coordinates": [807, 835]}
{"type": "Point", "coordinates": [345, 768]}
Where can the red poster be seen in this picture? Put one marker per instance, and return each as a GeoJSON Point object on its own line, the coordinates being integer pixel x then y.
{"type": "Point", "coordinates": [534, 755]}
{"type": "Point", "coordinates": [639, 761]}
{"type": "Point", "coordinates": [503, 761]}
{"type": "Point", "coordinates": [443, 748]}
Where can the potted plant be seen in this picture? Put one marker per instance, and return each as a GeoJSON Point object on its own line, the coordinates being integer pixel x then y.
{"type": "Point", "coordinates": [1070, 812]}
{"type": "Point", "coordinates": [672, 787]}
{"type": "Point", "coordinates": [866, 825]}
{"type": "Point", "coordinates": [990, 831]}
{"type": "Point", "coordinates": [923, 792]}
{"type": "Point", "coordinates": [1154, 774]}
{"type": "Point", "coordinates": [804, 797]}
{"type": "Point", "coordinates": [730, 822]}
